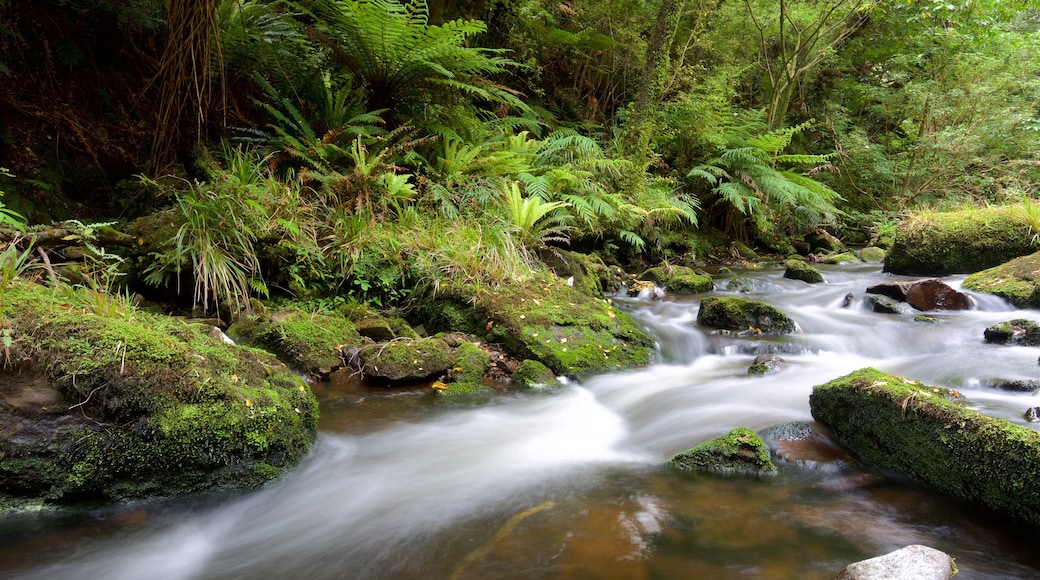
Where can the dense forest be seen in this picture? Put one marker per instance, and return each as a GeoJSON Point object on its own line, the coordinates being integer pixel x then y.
{"type": "Point", "coordinates": [370, 149]}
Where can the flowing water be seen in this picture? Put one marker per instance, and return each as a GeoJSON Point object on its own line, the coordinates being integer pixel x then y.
{"type": "Point", "coordinates": [569, 484]}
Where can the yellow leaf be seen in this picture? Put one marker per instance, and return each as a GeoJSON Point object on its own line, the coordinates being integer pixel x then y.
{"type": "Point", "coordinates": [249, 403]}
{"type": "Point", "coordinates": [439, 385]}
{"type": "Point", "coordinates": [234, 378]}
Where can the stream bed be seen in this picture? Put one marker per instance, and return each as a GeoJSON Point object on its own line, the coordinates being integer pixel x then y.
{"type": "Point", "coordinates": [569, 484]}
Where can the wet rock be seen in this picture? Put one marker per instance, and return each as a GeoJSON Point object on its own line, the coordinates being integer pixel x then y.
{"type": "Point", "coordinates": [847, 300]}
{"type": "Point", "coordinates": [925, 433]}
{"type": "Point", "coordinates": [644, 289]}
{"type": "Point", "coordinates": [840, 258]}
{"type": "Point", "coordinates": [375, 328]}
{"type": "Point", "coordinates": [1017, 281]}
{"type": "Point", "coordinates": [1018, 331]}
{"type": "Point", "coordinates": [1016, 386]}
{"type": "Point", "coordinates": [807, 444]}
{"type": "Point", "coordinates": [886, 305]}
{"type": "Point", "coordinates": [532, 374]}
{"type": "Point", "coordinates": [307, 341]}
{"type": "Point", "coordinates": [872, 254]}
{"type": "Point", "coordinates": [913, 562]}
{"type": "Point", "coordinates": [741, 314]}
{"type": "Point", "coordinates": [924, 295]}
{"type": "Point", "coordinates": [746, 285]}
{"type": "Point", "coordinates": [406, 361]}
{"type": "Point", "coordinates": [1032, 414]}
{"type": "Point", "coordinates": [679, 279]}
{"type": "Point", "coordinates": [765, 364]}
{"type": "Point", "coordinates": [740, 452]}
{"type": "Point", "coordinates": [821, 240]}
{"type": "Point", "coordinates": [799, 270]}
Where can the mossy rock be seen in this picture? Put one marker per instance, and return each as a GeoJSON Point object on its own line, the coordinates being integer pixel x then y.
{"type": "Point", "coordinates": [961, 242]}
{"type": "Point", "coordinates": [872, 254]}
{"type": "Point", "coordinates": [1018, 331]}
{"type": "Point", "coordinates": [925, 433]}
{"type": "Point", "coordinates": [465, 392]}
{"type": "Point", "coordinates": [405, 361]}
{"type": "Point", "coordinates": [587, 273]}
{"type": "Point", "coordinates": [822, 240]}
{"type": "Point", "coordinates": [307, 341]}
{"type": "Point", "coordinates": [533, 375]}
{"type": "Point", "coordinates": [766, 364]}
{"type": "Point", "coordinates": [679, 279]}
{"type": "Point", "coordinates": [799, 270]}
{"type": "Point", "coordinates": [734, 313]}
{"type": "Point", "coordinates": [470, 363]}
{"type": "Point", "coordinates": [840, 258]}
{"type": "Point", "coordinates": [739, 452]}
{"type": "Point", "coordinates": [1017, 281]}
{"type": "Point", "coordinates": [132, 405]}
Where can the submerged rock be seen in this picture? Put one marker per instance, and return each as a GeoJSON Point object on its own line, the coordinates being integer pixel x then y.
{"type": "Point", "coordinates": [886, 305]}
{"type": "Point", "coordinates": [1017, 281]}
{"type": "Point", "coordinates": [733, 313]}
{"type": "Point", "coordinates": [1016, 386]}
{"type": "Point", "coordinates": [799, 270]}
{"type": "Point", "coordinates": [740, 452]}
{"type": "Point", "coordinates": [913, 562]}
{"type": "Point", "coordinates": [765, 364]}
{"type": "Point", "coordinates": [924, 295]}
{"type": "Point", "coordinates": [1018, 331]}
{"type": "Point", "coordinates": [924, 433]}
{"type": "Point", "coordinates": [133, 405]}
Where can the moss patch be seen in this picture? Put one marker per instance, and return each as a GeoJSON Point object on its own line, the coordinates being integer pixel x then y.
{"type": "Point", "coordinates": [406, 360]}
{"type": "Point", "coordinates": [741, 314]}
{"type": "Point", "coordinates": [532, 374]}
{"type": "Point", "coordinates": [148, 406]}
{"type": "Point", "coordinates": [679, 279]}
{"type": "Point", "coordinates": [924, 433]}
{"type": "Point", "coordinates": [1017, 281]}
{"type": "Point", "coordinates": [799, 270]}
{"type": "Point", "coordinates": [307, 341]}
{"type": "Point", "coordinates": [961, 242]}
{"type": "Point", "coordinates": [739, 452]}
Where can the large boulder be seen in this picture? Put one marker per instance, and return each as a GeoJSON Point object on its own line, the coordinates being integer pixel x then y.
{"type": "Point", "coordinates": [545, 320]}
{"type": "Point", "coordinates": [112, 404]}
{"type": "Point", "coordinates": [739, 452]}
{"type": "Point", "coordinates": [961, 242]}
{"type": "Point", "coordinates": [913, 562]}
{"type": "Point", "coordinates": [308, 341]}
{"type": "Point", "coordinates": [679, 279]}
{"type": "Point", "coordinates": [799, 270]}
{"type": "Point", "coordinates": [406, 361]}
{"type": "Point", "coordinates": [735, 313]}
{"type": "Point", "coordinates": [925, 295]}
{"type": "Point", "coordinates": [1017, 281]}
{"type": "Point", "coordinates": [926, 433]}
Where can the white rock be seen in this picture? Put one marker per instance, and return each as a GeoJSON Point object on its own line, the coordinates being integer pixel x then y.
{"type": "Point", "coordinates": [914, 562]}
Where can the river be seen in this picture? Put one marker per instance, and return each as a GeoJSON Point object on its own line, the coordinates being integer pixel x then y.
{"type": "Point", "coordinates": [570, 484]}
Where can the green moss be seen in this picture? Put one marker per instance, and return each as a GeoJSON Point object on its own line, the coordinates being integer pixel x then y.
{"type": "Point", "coordinates": [532, 374]}
{"type": "Point", "coordinates": [465, 393]}
{"type": "Point", "coordinates": [872, 254]}
{"type": "Point", "coordinates": [407, 360]}
{"type": "Point", "coordinates": [155, 407]}
{"type": "Point", "coordinates": [923, 432]}
{"type": "Point", "coordinates": [1016, 281]}
{"type": "Point", "coordinates": [799, 270]}
{"type": "Point", "coordinates": [741, 314]}
{"type": "Point", "coordinates": [739, 452]}
{"type": "Point", "coordinates": [470, 363]}
{"type": "Point", "coordinates": [841, 258]}
{"type": "Point", "coordinates": [962, 242]}
{"type": "Point", "coordinates": [304, 340]}
{"type": "Point", "coordinates": [1018, 331]}
{"type": "Point", "coordinates": [679, 279]}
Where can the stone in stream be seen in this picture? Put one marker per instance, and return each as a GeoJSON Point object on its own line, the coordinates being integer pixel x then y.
{"type": "Point", "coordinates": [1016, 385]}
{"type": "Point", "coordinates": [765, 364]}
{"type": "Point", "coordinates": [925, 295]}
{"type": "Point", "coordinates": [1018, 331]}
{"type": "Point", "coordinates": [741, 314]}
{"type": "Point", "coordinates": [914, 562]}
{"type": "Point", "coordinates": [925, 433]}
{"type": "Point", "coordinates": [799, 270]}
{"type": "Point", "coordinates": [740, 452]}
{"type": "Point", "coordinates": [886, 305]}
{"type": "Point", "coordinates": [1017, 281]}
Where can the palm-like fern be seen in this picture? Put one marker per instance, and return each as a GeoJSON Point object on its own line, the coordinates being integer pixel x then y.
{"type": "Point", "coordinates": [754, 177]}
{"type": "Point", "coordinates": [400, 59]}
{"type": "Point", "coordinates": [536, 222]}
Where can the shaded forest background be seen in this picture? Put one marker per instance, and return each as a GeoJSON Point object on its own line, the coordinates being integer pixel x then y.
{"type": "Point", "coordinates": [372, 149]}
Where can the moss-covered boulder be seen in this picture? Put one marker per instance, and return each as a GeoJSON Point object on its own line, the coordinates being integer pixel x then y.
{"type": "Point", "coordinates": [735, 313]}
{"type": "Point", "coordinates": [824, 241]}
{"type": "Point", "coordinates": [924, 432]}
{"type": "Point", "coordinates": [406, 360]}
{"type": "Point", "coordinates": [1018, 331]}
{"type": "Point", "coordinates": [585, 272]}
{"type": "Point", "coordinates": [739, 452]}
{"type": "Point", "coordinates": [872, 254]}
{"type": "Point", "coordinates": [546, 320]}
{"type": "Point", "coordinates": [532, 374]}
{"type": "Point", "coordinates": [1017, 281]}
{"type": "Point", "coordinates": [130, 405]}
{"type": "Point", "coordinates": [840, 258]}
{"type": "Point", "coordinates": [961, 242]}
{"type": "Point", "coordinates": [679, 279]}
{"type": "Point", "coordinates": [799, 270]}
{"type": "Point", "coordinates": [308, 341]}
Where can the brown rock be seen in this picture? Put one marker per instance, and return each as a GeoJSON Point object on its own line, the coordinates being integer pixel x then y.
{"type": "Point", "coordinates": [928, 294]}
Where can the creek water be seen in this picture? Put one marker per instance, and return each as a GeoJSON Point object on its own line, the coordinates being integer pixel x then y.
{"type": "Point", "coordinates": [570, 485]}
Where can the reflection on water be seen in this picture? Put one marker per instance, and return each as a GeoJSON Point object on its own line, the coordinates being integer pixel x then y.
{"type": "Point", "coordinates": [569, 485]}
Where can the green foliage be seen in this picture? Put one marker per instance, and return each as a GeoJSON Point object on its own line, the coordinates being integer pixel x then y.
{"type": "Point", "coordinates": [535, 221]}
{"type": "Point", "coordinates": [402, 62]}
{"type": "Point", "coordinates": [754, 178]}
